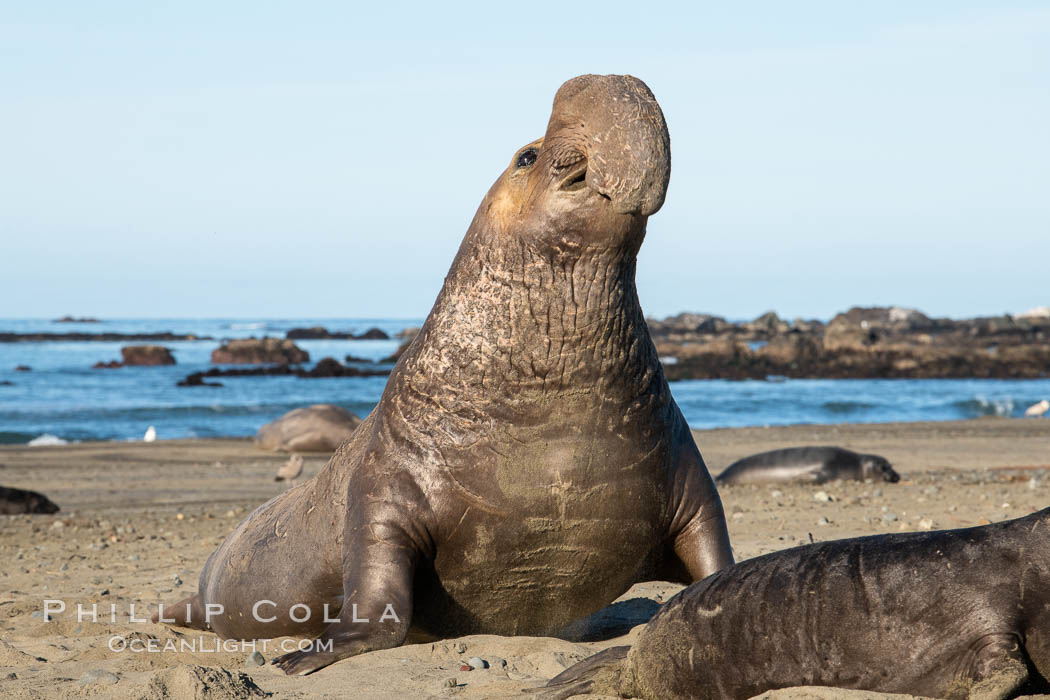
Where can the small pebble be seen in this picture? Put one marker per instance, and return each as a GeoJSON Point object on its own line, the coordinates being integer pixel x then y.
{"type": "Point", "coordinates": [776, 493]}
{"type": "Point", "coordinates": [133, 557]}
{"type": "Point", "coordinates": [477, 663]}
{"type": "Point", "coordinates": [179, 516]}
{"type": "Point", "coordinates": [823, 521]}
{"type": "Point", "coordinates": [460, 647]}
{"type": "Point", "coordinates": [177, 580]}
{"type": "Point", "coordinates": [497, 662]}
{"type": "Point", "coordinates": [1033, 484]}
{"type": "Point", "coordinates": [877, 493]}
{"type": "Point", "coordinates": [925, 524]}
{"type": "Point", "coordinates": [821, 496]}
{"type": "Point", "coordinates": [99, 675]}
{"type": "Point", "coordinates": [449, 683]}
{"type": "Point", "coordinates": [57, 525]}
{"type": "Point", "coordinates": [255, 659]}
{"type": "Point", "coordinates": [64, 567]}
{"type": "Point", "coordinates": [889, 517]}
{"type": "Point", "coordinates": [12, 676]}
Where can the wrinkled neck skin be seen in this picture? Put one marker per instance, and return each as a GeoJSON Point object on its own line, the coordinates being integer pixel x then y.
{"type": "Point", "coordinates": [528, 332]}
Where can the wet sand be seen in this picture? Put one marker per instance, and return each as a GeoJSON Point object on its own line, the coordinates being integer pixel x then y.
{"type": "Point", "coordinates": [138, 521]}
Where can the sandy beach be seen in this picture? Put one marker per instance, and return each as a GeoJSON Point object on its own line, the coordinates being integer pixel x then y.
{"type": "Point", "coordinates": [138, 521]}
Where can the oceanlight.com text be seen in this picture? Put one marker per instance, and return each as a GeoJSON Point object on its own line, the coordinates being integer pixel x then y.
{"type": "Point", "coordinates": [210, 645]}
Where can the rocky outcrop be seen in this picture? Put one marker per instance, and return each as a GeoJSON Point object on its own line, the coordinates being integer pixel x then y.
{"type": "Point", "coordinates": [146, 355]}
{"type": "Point", "coordinates": [864, 342]}
{"type": "Point", "coordinates": [322, 333]}
{"type": "Point", "coordinates": [197, 379]}
{"type": "Point", "coordinates": [331, 367]}
{"type": "Point", "coordinates": [318, 428]}
{"type": "Point", "coordinates": [258, 351]}
{"type": "Point", "coordinates": [1039, 312]}
{"type": "Point", "coordinates": [73, 319]}
{"type": "Point", "coordinates": [164, 337]}
{"type": "Point", "coordinates": [327, 367]}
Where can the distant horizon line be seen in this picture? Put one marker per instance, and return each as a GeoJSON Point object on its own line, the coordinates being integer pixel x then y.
{"type": "Point", "coordinates": [790, 317]}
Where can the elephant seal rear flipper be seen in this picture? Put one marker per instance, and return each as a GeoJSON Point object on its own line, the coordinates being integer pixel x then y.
{"type": "Point", "coordinates": [600, 674]}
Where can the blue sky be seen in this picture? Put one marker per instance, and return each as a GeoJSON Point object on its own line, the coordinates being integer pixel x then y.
{"type": "Point", "coordinates": [320, 159]}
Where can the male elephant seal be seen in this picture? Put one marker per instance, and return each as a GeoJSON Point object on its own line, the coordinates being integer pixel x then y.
{"type": "Point", "coordinates": [955, 613]}
{"type": "Point", "coordinates": [526, 463]}
{"type": "Point", "coordinates": [18, 501]}
{"type": "Point", "coordinates": [813, 465]}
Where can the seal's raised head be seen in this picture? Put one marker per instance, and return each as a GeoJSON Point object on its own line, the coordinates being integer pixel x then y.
{"type": "Point", "coordinates": [599, 171]}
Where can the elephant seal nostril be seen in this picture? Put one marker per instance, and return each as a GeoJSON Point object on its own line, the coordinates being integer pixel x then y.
{"type": "Point", "coordinates": [576, 180]}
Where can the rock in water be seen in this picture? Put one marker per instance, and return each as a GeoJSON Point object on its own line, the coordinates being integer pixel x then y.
{"type": "Point", "coordinates": [256, 351]}
{"type": "Point", "coordinates": [146, 355]}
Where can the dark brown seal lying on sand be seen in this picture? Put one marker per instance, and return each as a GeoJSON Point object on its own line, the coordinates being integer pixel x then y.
{"type": "Point", "coordinates": [18, 502]}
{"type": "Point", "coordinates": [526, 464]}
{"type": "Point", "coordinates": [955, 613]}
{"type": "Point", "coordinates": [811, 465]}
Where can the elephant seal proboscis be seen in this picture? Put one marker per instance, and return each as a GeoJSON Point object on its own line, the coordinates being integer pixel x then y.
{"type": "Point", "coordinates": [526, 463]}
{"type": "Point", "coordinates": [19, 502]}
{"type": "Point", "coordinates": [953, 613]}
{"type": "Point", "coordinates": [811, 465]}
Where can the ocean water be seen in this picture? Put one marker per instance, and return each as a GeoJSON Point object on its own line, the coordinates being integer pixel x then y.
{"type": "Point", "coordinates": [64, 398]}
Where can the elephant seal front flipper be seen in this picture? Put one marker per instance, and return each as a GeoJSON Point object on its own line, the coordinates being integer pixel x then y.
{"type": "Point", "coordinates": [382, 545]}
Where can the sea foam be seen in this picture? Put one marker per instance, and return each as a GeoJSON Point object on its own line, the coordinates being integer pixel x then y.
{"type": "Point", "coordinates": [47, 439]}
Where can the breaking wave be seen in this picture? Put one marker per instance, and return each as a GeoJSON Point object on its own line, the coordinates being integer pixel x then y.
{"type": "Point", "coordinates": [46, 440]}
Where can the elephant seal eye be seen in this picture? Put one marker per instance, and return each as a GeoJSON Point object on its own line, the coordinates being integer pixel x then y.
{"type": "Point", "coordinates": [526, 158]}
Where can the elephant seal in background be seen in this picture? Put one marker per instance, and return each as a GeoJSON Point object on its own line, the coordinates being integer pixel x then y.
{"type": "Point", "coordinates": [321, 427]}
{"type": "Point", "coordinates": [948, 614]}
{"type": "Point", "coordinates": [526, 464]}
{"type": "Point", "coordinates": [20, 502]}
{"type": "Point", "coordinates": [811, 465]}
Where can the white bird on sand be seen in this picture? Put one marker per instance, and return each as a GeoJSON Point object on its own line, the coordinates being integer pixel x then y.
{"type": "Point", "coordinates": [290, 470]}
{"type": "Point", "coordinates": [151, 434]}
{"type": "Point", "coordinates": [1037, 409]}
